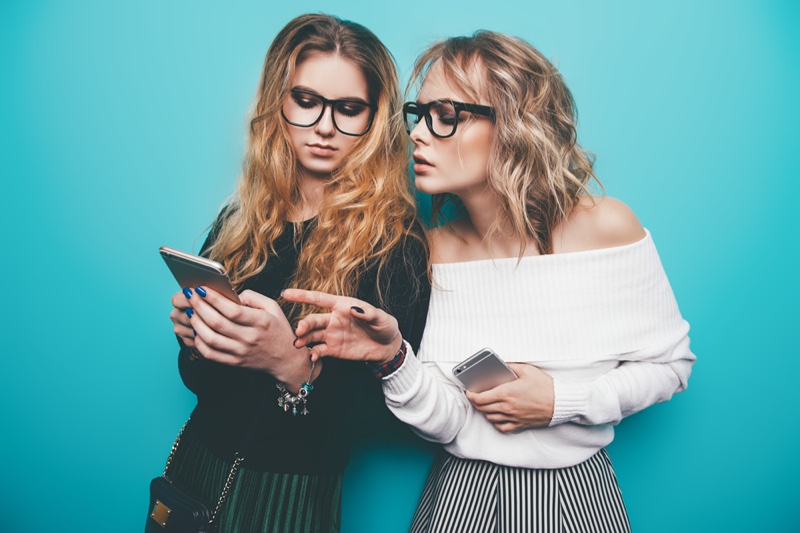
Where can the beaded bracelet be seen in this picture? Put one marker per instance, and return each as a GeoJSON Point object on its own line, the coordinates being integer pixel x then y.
{"type": "Point", "coordinates": [287, 400]}
{"type": "Point", "coordinates": [382, 370]}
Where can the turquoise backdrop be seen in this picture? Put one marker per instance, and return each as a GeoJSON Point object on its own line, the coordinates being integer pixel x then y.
{"type": "Point", "coordinates": [122, 128]}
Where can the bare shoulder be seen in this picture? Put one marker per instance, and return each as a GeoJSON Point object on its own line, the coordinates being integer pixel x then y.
{"type": "Point", "coordinates": [595, 223]}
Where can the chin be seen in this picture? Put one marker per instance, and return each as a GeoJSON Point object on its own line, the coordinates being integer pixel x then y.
{"type": "Point", "coordinates": [426, 188]}
{"type": "Point", "coordinates": [320, 171]}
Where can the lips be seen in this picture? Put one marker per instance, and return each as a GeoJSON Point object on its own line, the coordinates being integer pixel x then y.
{"type": "Point", "coordinates": [322, 150]}
{"type": "Point", "coordinates": [421, 160]}
{"type": "Point", "coordinates": [421, 165]}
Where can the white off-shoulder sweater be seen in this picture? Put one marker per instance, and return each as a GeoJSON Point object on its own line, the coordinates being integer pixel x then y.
{"type": "Point", "coordinates": [603, 323]}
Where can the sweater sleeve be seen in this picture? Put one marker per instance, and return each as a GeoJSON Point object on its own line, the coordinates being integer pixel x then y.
{"type": "Point", "coordinates": [643, 378]}
{"type": "Point", "coordinates": [420, 395]}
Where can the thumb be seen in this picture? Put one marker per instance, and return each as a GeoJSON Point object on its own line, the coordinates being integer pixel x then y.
{"type": "Point", "coordinates": [364, 313]}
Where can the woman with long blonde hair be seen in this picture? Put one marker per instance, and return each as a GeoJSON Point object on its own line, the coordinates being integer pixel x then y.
{"type": "Point", "coordinates": [564, 284]}
{"type": "Point", "coordinates": [324, 203]}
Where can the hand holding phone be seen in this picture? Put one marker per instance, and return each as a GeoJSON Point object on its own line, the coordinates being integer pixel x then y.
{"type": "Point", "coordinates": [193, 271]}
{"type": "Point", "coordinates": [483, 370]}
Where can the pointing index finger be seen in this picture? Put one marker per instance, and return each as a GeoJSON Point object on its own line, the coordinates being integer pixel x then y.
{"type": "Point", "coordinates": [316, 298]}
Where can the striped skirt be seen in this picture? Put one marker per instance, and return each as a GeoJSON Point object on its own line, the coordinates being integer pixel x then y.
{"type": "Point", "coordinates": [262, 502]}
{"type": "Point", "coordinates": [463, 495]}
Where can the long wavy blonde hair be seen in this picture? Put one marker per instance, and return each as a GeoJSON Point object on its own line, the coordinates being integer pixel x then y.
{"type": "Point", "coordinates": [368, 206]}
{"type": "Point", "coordinates": [536, 166]}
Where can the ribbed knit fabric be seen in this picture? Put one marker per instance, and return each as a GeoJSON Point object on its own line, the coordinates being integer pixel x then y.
{"type": "Point", "coordinates": [603, 323]}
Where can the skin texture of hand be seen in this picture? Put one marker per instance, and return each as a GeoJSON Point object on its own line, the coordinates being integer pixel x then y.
{"type": "Point", "coordinates": [180, 319]}
{"type": "Point", "coordinates": [253, 335]}
{"type": "Point", "coordinates": [523, 403]}
{"type": "Point", "coordinates": [353, 329]}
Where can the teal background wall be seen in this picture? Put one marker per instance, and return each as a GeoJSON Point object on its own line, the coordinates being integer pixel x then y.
{"type": "Point", "coordinates": [122, 128]}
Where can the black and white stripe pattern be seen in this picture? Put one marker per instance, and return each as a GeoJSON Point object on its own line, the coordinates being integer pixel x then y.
{"type": "Point", "coordinates": [463, 495]}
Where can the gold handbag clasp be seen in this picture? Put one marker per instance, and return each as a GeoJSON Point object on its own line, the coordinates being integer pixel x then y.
{"type": "Point", "coordinates": [160, 513]}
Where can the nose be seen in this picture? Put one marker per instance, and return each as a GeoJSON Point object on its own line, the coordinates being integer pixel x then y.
{"type": "Point", "coordinates": [420, 133]}
{"type": "Point", "coordinates": [324, 125]}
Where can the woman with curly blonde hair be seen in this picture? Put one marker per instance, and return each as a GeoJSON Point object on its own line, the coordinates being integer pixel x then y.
{"type": "Point", "coordinates": [566, 285]}
{"type": "Point", "coordinates": [324, 203]}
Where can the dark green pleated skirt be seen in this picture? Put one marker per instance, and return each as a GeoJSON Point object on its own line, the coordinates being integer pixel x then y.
{"type": "Point", "coordinates": [260, 501]}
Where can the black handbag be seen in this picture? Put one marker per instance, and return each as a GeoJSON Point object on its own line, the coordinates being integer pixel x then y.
{"type": "Point", "coordinates": [174, 509]}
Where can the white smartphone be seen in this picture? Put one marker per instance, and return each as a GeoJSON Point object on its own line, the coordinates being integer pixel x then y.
{"type": "Point", "coordinates": [483, 370]}
{"type": "Point", "coordinates": [192, 271]}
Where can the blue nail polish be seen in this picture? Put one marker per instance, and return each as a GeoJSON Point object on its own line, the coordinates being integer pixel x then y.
{"type": "Point", "coordinates": [187, 292]}
{"type": "Point", "coordinates": [189, 312]}
{"type": "Point", "coordinates": [195, 333]}
{"type": "Point", "coordinates": [201, 291]}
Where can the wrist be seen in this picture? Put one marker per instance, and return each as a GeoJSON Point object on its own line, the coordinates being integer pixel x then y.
{"type": "Point", "coordinates": [293, 368]}
{"type": "Point", "coordinates": [383, 369]}
{"type": "Point", "coordinates": [393, 348]}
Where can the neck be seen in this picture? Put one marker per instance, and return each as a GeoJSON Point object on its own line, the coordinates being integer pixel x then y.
{"type": "Point", "coordinates": [312, 194]}
{"type": "Point", "coordinates": [483, 213]}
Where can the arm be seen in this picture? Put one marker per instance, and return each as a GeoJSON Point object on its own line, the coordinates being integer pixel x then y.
{"type": "Point", "coordinates": [653, 377]}
{"type": "Point", "coordinates": [221, 340]}
{"type": "Point", "coordinates": [255, 335]}
{"type": "Point", "coordinates": [423, 397]}
{"type": "Point", "coordinates": [538, 400]}
{"type": "Point", "coordinates": [353, 328]}
{"type": "Point", "coordinates": [641, 378]}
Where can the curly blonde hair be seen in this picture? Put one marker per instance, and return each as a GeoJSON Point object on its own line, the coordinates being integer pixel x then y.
{"type": "Point", "coordinates": [536, 166]}
{"type": "Point", "coordinates": [368, 205]}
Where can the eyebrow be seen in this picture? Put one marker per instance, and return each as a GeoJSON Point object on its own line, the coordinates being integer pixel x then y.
{"type": "Point", "coordinates": [312, 91]}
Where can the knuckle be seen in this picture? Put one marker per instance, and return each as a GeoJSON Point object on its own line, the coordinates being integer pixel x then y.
{"type": "Point", "coordinates": [251, 339]}
{"type": "Point", "coordinates": [212, 339]}
{"type": "Point", "coordinates": [214, 322]}
{"type": "Point", "coordinates": [237, 313]}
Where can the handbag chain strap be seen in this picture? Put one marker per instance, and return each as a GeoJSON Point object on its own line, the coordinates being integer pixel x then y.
{"type": "Point", "coordinates": [237, 460]}
{"type": "Point", "coordinates": [174, 448]}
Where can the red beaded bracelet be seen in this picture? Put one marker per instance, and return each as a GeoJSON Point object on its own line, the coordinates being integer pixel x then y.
{"type": "Point", "coordinates": [382, 370]}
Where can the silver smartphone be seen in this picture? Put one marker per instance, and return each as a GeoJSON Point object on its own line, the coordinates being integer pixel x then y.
{"type": "Point", "coordinates": [483, 370]}
{"type": "Point", "coordinates": [192, 271]}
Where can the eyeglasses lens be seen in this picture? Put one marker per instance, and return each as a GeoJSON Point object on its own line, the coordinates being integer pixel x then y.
{"type": "Point", "coordinates": [443, 118]}
{"type": "Point", "coordinates": [350, 117]}
{"type": "Point", "coordinates": [440, 117]}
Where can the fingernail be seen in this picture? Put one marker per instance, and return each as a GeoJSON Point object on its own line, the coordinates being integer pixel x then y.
{"type": "Point", "coordinates": [187, 292]}
{"type": "Point", "coordinates": [195, 333]}
{"type": "Point", "coordinates": [189, 312]}
{"type": "Point", "coordinates": [201, 291]}
{"type": "Point", "coordinates": [357, 309]}
{"type": "Point", "coordinates": [294, 342]}
{"type": "Point", "coordinates": [282, 292]}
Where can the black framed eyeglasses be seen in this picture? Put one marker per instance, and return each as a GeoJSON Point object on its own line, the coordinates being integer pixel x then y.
{"type": "Point", "coordinates": [441, 116]}
{"type": "Point", "coordinates": [350, 117]}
